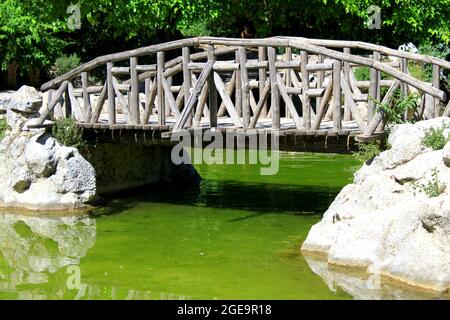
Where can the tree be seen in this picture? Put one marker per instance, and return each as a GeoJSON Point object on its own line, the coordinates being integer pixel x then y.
{"type": "Point", "coordinates": [27, 36]}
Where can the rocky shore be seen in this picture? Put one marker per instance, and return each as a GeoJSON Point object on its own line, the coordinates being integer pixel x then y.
{"type": "Point", "coordinates": [37, 172]}
{"type": "Point", "coordinates": [387, 222]}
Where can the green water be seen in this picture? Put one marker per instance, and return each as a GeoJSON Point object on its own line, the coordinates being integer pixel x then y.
{"type": "Point", "coordinates": [235, 237]}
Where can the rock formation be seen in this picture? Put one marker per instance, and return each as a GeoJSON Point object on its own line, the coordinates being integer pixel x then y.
{"type": "Point", "coordinates": [386, 222]}
{"type": "Point", "coordinates": [37, 172]}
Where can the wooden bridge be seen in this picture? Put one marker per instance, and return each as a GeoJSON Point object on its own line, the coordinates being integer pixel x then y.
{"type": "Point", "coordinates": [294, 87]}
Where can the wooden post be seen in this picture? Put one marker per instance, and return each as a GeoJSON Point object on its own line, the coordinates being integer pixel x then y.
{"type": "Point", "coordinates": [337, 123]}
{"type": "Point", "coordinates": [306, 106]}
{"type": "Point", "coordinates": [245, 85]}
{"type": "Point", "coordinates": [187, 81]}
{"type": "Point", "coordinates": [148, 105]}
{"type": "Point", "coordinates": [111, 94]}
{"type": "Point", "coordinates": [262, 78]}
{"type": "Point", "coordinates": [436, 84]}
{"type": "Point", "coordinates": [67, 105]}
{"type": "Point", "coordinates": [404, 69]}
{"type": "Point", "coordinates": [288, 81]}
{"type": "Point", "coordinates": [160, 91]}
{"type": "Point", "coordinates": [238, 93]}
{"type": "Point", "coordinates": [275, 99]}
{"type": "Point", "coordinates": [167, 103]}
{"type": "Point", "coordinates": [347, 112]}
{"type": "Point", "coordinates": [212, 90]}
{"type": "Point", "coordinates": [86, 97]}
{"type": "Point", "coordinates": [134, 102]}
{"type": "Point", "coordinates": [373, 89]}
{"type": "Point", "coordinates": [320, 79]}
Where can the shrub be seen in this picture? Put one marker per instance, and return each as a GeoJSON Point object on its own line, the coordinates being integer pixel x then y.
{"type": "Point", "coordinates": [367, 151]}
{"type": "Point", "coordinates": [67, 133]}
{"type": "Point", "coordinates": [439, 51]}
{"type": "Point", "coordinates": [3, 127]}
{"type": "Point", "coordinates": [433, 188]}
{"type": "Point", "coordinates": [401, 105]}
{"type": "Point", "coordinates": [64, 64]}
{"type": "Point", "coordinates": [434, 138]}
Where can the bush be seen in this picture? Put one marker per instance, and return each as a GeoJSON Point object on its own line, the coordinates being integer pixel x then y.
{"type": "Point", "coordinates": [67, 133]}
{"type": "Point", "coordinates": [434, 138]}
{"type": "Point", "coordinates": [439, 51]}
{"type": "Point", "coordinates": [362, 73]}
{"type": "Point", "coordinates": [367, 151]}
{"type": "Point", "coordinates": [3, 127]}
{"type": "Point", "coordinates": [64, 64]}
{"type": "Point", "coordinates": [395, 113]}
{"type": "Point", "coordinates": [433, 188]}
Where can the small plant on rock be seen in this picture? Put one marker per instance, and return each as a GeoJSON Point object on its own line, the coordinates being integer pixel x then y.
{"type": "Point", "coordinates": [433, 188]}
{"type": "Point", "coordinates": [435, 139]}
{"type": "Point", "coordinates": [367, 151]}
{"type": "Point", "coordinates": [3, 127]}
{"type": "Point", "coordinates": [67, 133]}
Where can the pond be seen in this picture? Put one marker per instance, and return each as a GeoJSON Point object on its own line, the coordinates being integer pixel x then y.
{"type": "Point", "coordinates": [236, 236]}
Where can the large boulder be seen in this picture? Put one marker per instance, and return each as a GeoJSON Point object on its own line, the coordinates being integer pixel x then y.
{"type": "Point", "coordinates": [38, 173]}
{"type": "Point", "coordinates": [385, 222]}
{"type": "Point", "coordinates": [20, 107]}
{"type": "Point", "coordinates": [25, 100]}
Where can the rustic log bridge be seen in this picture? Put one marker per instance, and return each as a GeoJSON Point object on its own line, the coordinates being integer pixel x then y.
{"type": "Point", "coordinates": [243, 84]}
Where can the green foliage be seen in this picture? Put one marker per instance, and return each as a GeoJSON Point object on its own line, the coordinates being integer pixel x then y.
{"type": "Point", "coordinates": [410, 20]}
{"type": "Point", "coordinates": [434, 138]}
{"type": "Point", "coordinates": [432, 188]}
{"type": "Point", "coordinates": [362, 73]}
{"type": "Point", "coordinates": [67, 133]}
{"type": "Point", "coordinates": [28, 35]}
{"type": "Point", "coordinates": [64, 64]}
{"type": "Point", "coordinates": [417, 70]}
{"type": "Point", "coordinates": [401, 105]}
{"type": "Point", "coordinates": [367, 151]}
{"type": "Point", "coordinates": [439, 51]}
{"type": "Point", "coordinates": [3, 128]}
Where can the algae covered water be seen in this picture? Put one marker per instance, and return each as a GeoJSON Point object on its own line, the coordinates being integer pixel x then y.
{"type": "Point", "coordinates": [236, 236]}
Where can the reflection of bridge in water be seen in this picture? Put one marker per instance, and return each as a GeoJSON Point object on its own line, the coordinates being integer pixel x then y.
{"type": "Point", "coordinates": [303, 90]}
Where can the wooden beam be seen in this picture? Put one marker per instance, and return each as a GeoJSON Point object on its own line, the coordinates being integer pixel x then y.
{"type": "Point", "coordinates": [160, 90]}
{"type": "Point", "coordinates": [212, 90]}
{"type": "Point", "coordinates": [134, 97]}
{"type": "Point", "coordinates": [306, 105]}
{"type": "Point", "coordinates": [111, 94]}
{"type": "Point", "coordinates": [337, 123]}
{"type": "Point", "coordinates": [180, 124]}
{"type": "Point", "coordinates": [245, 87]}
{"type": "Point", "coordinates": [227, 101]}
{"type": "Point", "coordinates": [275, 100]}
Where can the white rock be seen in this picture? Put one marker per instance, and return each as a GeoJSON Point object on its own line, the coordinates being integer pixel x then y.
{"type": "Point", "coordinates": [25, 100]}
{"type": "Point", "coordinates": [384, 221]}
{"type": "Point", "coordinates": [40, 174]}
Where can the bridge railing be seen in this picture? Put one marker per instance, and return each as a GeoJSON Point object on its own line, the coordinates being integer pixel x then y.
{"type": "Point", "coordinates": [244, 83]}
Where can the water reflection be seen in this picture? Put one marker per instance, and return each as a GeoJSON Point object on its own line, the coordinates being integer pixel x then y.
{"type": "Point", "coordinates": [363, 286]}
{"type": "Point", "coordinates": [33, 248]}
